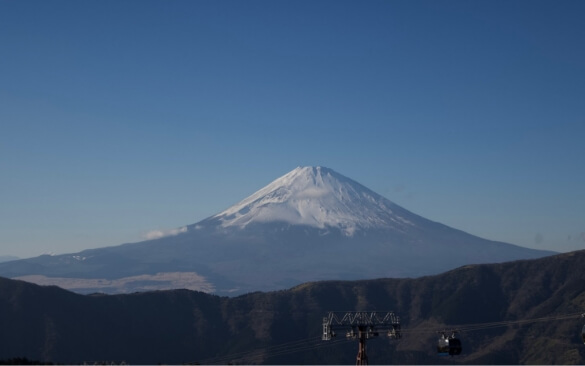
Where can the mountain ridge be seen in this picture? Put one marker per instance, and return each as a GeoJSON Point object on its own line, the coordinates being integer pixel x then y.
{"type": "Point", "coordinates": [521, 312]}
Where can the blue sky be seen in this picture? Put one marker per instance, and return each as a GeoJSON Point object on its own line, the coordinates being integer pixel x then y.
{"type": "Point", "coordinates": [118, 118]}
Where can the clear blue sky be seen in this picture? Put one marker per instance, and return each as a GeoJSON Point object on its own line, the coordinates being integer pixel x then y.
{"type": "Point", "coordinates": [122, 117]}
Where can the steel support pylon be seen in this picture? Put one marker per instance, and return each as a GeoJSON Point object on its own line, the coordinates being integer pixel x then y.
{"type": "Point", "coordinates": [362, 357]}
{"type": "Point", "coordinates": [362, 325]}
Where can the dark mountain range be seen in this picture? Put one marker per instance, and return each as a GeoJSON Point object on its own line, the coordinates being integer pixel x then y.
{"type": "Point", "coordinates": [522, 312]}
{"type": "Point", "coordinates": [310, 224]}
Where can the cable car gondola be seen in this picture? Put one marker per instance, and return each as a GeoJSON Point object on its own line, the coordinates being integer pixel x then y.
{"type": "Point", "coordinates": [443, 346]}
{"type": "Point", "coordinates": [448, 346]}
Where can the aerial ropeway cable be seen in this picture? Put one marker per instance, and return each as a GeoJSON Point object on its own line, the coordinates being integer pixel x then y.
{"type": "Point", "coordinates": [455, 344]}
{"type": "Point", "coordinates": [256, 355]}
{"type": "Point", "coordinates": [482, 326]}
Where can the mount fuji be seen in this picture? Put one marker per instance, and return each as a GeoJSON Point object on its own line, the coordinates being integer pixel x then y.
{"type": "Point", "coordinates": [316, 197]}
{"type": "Point", "coordinates": [310, 224]}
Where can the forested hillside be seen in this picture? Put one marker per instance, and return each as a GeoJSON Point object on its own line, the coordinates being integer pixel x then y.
{"type": "Point", "coordinates": [525, 312]}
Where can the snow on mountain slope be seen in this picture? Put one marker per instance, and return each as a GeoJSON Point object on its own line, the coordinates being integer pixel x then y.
{"type": "Point", "coordinates": [318, 197]}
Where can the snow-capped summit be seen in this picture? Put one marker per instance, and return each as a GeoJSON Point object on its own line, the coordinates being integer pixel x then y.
{"type": "Point", "coordinates": [318, 197]}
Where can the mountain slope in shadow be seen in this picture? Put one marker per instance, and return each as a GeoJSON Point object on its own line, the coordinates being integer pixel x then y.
{"type": "Point", "coordinates": [494, 306]}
